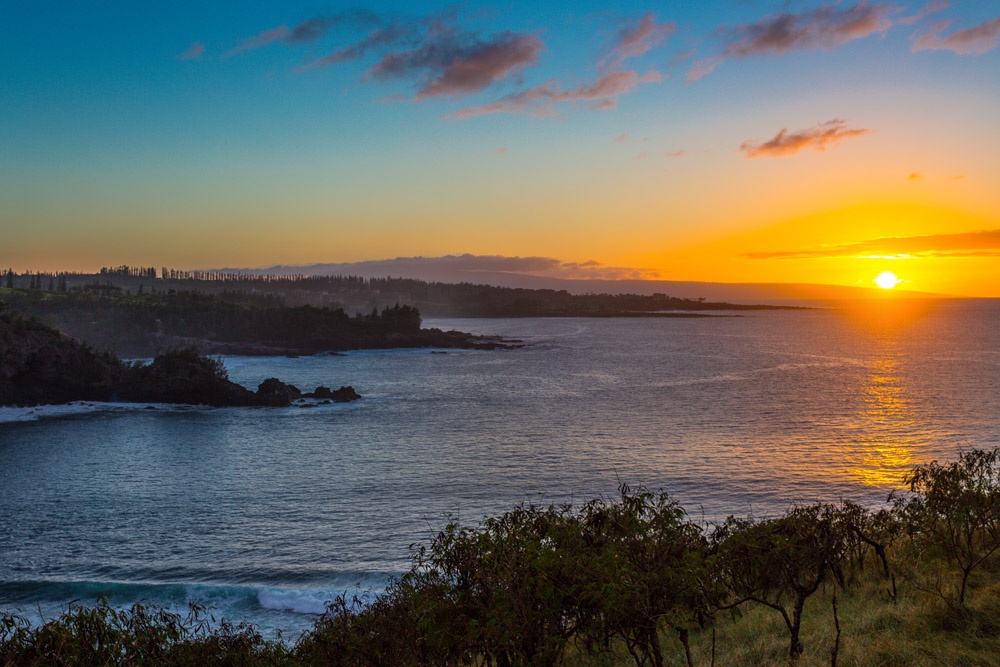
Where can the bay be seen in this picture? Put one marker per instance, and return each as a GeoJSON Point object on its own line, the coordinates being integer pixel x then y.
{"type": "Point", "coordinates": [265, 514]}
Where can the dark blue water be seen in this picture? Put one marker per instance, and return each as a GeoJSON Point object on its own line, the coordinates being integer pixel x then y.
{"type": "Point", "coordinates": [267, 513]}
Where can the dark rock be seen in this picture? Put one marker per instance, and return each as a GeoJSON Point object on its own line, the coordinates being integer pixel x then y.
{"type": "Point", "coordinates": [276, 393]}
{"type": "Point", "coordinates": [342, 395]}
{"type": "Point", "coordinates": [345, 395]}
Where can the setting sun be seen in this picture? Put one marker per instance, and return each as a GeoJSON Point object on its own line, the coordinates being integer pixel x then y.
{"type": "Point", "coordinates": [887, 280]}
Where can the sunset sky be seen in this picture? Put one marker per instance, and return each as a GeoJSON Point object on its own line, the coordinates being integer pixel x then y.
{"type": "Point", "coordinates": [739, 141]}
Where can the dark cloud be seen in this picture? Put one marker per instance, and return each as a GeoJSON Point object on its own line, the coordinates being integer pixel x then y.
{"type": "Point", "coordinates": [788, 143]}
{"type": "Point", "coordinates": [967, 244]}
{"type": "Point", "coordinates": [825, 27]}
{"type": "Point", "coordinates": [632, 41]}
{"type": "Point", "coordinates": [969, 42]}
{"type": "Point", "coordinates": [452, 62]}
{"type": "Point", "coordinates": [473, 69]}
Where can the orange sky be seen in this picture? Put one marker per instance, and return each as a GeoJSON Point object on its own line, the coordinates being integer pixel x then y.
{"type": "Point", "coordinates": [730, 141]}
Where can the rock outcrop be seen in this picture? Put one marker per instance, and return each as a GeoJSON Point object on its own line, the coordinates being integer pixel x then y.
{"type": "Point", "coordinates": [38, 365]}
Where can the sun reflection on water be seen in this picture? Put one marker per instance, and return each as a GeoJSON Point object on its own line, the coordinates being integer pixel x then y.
{"type": "Point", "coordinates": [889, 427]}
{"type": "Point", "coordinates": [892, 433]}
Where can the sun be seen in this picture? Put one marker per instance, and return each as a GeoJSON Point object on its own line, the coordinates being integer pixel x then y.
{"type": "Point", "coordinates": [887, 280]}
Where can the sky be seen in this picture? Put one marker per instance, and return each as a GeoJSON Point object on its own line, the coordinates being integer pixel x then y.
{"type": "Point", "coordinates": [730, 141]}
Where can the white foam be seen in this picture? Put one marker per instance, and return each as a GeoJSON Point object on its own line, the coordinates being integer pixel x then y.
{"type": "Point", "coordinates": [304, 601]}
{"type": "Point", "coordinates": [36, 412]}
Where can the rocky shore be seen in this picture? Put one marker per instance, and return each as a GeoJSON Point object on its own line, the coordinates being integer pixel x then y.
{"type": "Point", "coordinates": [39, 365]}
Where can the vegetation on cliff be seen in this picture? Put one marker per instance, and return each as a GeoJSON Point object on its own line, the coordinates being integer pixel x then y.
{"type": "Point", "coordinates": [631, 581]}
{"type": "Point", "coordinates": [232, 323]}
{"type": "Point", "coordinates": [39, 365]}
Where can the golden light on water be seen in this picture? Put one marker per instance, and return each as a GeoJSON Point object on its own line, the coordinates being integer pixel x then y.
{"type": "Point", "coordinates": [886, 453]}
{"type": "Point", "coordinates": [892, 431]}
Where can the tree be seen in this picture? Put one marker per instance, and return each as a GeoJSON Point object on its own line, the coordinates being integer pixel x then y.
{"type": "Point", "coordinates": [954, 513]}
{"type": "Point", "coordinates": [645, 569]}
{"type": "Point", "coordinates": [780, 562]}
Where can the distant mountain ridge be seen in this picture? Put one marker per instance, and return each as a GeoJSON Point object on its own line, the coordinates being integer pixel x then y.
{"type": "Point", "coordinates": [536, 273]}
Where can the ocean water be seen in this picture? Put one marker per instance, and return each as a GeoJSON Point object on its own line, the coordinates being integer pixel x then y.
{"type": "Point", "coordinates": [265, 514]}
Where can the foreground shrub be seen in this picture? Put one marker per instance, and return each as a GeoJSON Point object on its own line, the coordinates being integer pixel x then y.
{"type": "Point", "coordinates": [954, 514]}
{"type": "Point", "coordinates": [779, 563]}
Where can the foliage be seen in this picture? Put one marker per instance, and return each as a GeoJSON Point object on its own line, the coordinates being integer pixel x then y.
{"type": "Point", "coordinates": [188, 360]}
{"type": "Point", "coordinates": [620, 581]}
{"type": "Point", "coordinates": [780, 562]}
{"type": "Point", "coordinates": [954, 513]}
{"type": "Point", "coordinates": [135, 637]}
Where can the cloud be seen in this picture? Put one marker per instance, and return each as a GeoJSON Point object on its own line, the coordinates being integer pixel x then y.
{"type": "Point", "coordinates": [603, 92]}
{"type": "Point", "coordinates": [621, 138]}
{"type": "Point", "coordinates": [309, 30]}
{"type": "Point", "coordinates": [473, 268]}
{"type": "Point", "coordinates": [257, 41]}
{"type": "Point", "coordinates": [539, 100]}
{"type": "Point", "coordinates": [930, 8]}
{"type": "Point", "coordinates": [825, 27]}
{"type": "Point", "coordinates": [195, 52]}
{"type": "Point", "coordinates": [788, 143]}
{"type": "Point", "coordinates": [452, 62]}
{"type": "Point", "coordinates": [969, 42]}
{"type": "Point", "coordinates": [636, 40]}
{"type": "Point", "coordinates": [966, 244]}
{"type": "Point", "coordinates": [702, 68]}
{"type": "Point", "coordinates": [473, 69]}
{"type": "Point", "coordinates": [915, 176]}
{"type": "Point", "coordinates": [675, 154]}
{"type": "Point", "coordinates": [376, 38]}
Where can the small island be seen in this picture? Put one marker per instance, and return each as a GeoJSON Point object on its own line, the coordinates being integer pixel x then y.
{"type": "Point", "coordinates": [39, 365]}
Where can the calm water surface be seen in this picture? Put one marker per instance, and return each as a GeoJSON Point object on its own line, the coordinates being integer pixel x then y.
{"type": "Point", "coordinates": [267, 513]}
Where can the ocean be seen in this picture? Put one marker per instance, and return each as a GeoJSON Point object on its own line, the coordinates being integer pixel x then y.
{"type": "Point", "coordinates": [265, 514]}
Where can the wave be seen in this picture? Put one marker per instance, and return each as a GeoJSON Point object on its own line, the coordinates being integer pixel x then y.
{"type": "Point", "coordinates": [43, 600]}
{"type": "Point", "coordinates": [82, 408]}
{"type": "Point", "coordinates": [76, 408]}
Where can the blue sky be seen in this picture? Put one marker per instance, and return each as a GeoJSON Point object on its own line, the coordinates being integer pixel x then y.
{"type": "Point", "coordinates": [207, 134]}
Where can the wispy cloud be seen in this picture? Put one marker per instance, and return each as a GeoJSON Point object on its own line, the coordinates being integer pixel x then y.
{"type": "Point", "coordinates": [636, 40]}
{"type": "Point", "coordinates": [259, 40]}
{"type": "Point", "coordinates": [309, 30]}
{"type": "Point", "coordinates": [967, 244]}
{"type": "Point", "coordinates": [930, 8]}
{"type": "Point", "coordinates": [612, 82]}
{"type": "Point", "coordinates": [375, 39]}
{"type": "Point", "coordinates": [540, 100]}
{"type": "Point", "coordinates": [825, 27]}
{"type": "Point", "coordinates": [786, 143]}
{"type": "Point", "coordinates": [973, 41]}
{"type": "Point", "coordinates": [462, 268]}
{"type": "Point", "coordinates": [194, 52]}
